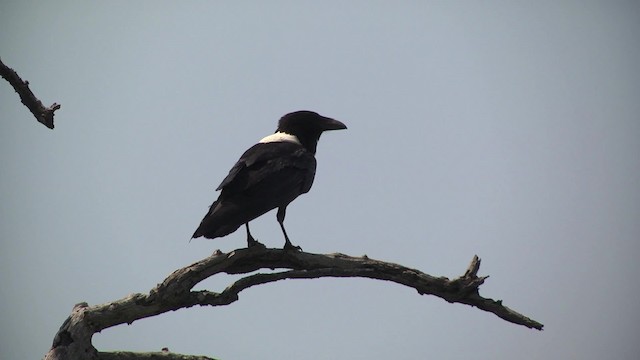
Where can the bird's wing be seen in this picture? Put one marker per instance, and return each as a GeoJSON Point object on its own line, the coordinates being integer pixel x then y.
{"type": "Point", "coordinates": [251, 168]}
{"type": "Point", "coordinates": [232, 174]}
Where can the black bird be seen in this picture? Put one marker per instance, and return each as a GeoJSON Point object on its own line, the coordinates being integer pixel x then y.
{"type": "Point", "coordinates": [269, 175]}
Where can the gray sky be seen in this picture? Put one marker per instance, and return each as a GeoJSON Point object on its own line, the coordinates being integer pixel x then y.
{"type": "Point", "coordinates": [504, 129]}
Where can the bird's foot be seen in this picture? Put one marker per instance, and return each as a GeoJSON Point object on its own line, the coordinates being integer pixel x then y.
{"type": "Point", "coordinates": [289, 246]}
{"type": "Point", "coordinates": [251, 242]}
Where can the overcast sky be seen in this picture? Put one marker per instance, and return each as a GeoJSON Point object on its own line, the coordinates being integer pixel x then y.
{"type": "Point", "coordinates": [499, 128]}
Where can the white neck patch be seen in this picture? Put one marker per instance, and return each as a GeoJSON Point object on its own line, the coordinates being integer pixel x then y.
{"type": "Point", "coordinates": [280, 137]}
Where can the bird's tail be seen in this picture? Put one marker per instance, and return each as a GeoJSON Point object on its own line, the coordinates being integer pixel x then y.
{"type": "Point", "coordinates": [220, 220]}
{"type": "Point", "coordinates": [205, 224]}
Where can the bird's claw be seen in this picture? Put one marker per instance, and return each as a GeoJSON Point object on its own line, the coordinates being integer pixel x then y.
{"type": "Point", "coordinates": [289, 246]}
{"type": "Point", "coordinates": [251, 243]}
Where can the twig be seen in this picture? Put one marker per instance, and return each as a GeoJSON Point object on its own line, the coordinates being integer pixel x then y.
{"type": "Point", "coordinates": [43, 114]}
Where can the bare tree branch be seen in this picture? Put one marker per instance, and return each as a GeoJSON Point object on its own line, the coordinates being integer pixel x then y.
{"type": "Point", "coordinates": [43, 114]}
{"type": "Point", "coordinates": [73, 340]}
{"type": "Point", "coordinates": [127, 355]}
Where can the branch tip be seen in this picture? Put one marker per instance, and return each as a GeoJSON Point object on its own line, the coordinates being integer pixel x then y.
{"type": "Point", "coordinates": [474, 266]}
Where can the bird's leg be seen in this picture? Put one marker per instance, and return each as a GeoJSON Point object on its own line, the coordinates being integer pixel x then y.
{"type": "Point", "coordinates": [250, 240]}
{"type": "Point", "coordinates": [287, 244]}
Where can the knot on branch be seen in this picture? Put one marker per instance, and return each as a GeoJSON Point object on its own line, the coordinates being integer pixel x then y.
{"type": "Point", "coordinates": [469, 283]}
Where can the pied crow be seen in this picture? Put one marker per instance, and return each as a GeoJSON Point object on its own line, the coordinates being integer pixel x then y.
{"type": "Point", "coordinates": [269, 175]}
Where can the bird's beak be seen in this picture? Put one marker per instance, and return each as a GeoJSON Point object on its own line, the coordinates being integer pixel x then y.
{"type": "Point", "coordinates": [332, 124]}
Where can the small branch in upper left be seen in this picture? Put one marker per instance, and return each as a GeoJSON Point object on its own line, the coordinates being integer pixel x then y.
{"type": "Point", "coordinates": [42, 113]}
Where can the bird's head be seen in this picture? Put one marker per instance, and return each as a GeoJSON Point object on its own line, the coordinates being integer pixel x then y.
{"type": "Point", "coordinates": [307, 126]}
